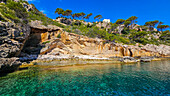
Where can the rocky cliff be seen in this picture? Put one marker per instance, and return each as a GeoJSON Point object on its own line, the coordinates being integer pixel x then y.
{"type": "Point", "coordinates": [48, 43]}
{"type": "Point", "coordinates": [39, 42]}
{"type": "Point", "coordinates": [24, 37]}
{"type": "Point", "coordinates": [12, 39]}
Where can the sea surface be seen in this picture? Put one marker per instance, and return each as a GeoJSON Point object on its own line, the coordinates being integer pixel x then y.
{"type": "Point", "coordinates": [141, 79]}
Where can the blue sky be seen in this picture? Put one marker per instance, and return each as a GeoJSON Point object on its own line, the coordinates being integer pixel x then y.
{"type": "Point", "coordinates": [145, 10]}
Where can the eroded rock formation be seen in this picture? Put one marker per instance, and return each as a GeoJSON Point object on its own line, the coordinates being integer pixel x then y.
{"type": "Point", "coordinates": [51, 41]}
{"type": "Point", "coordinates": [12, 39]}
{"type": "Point", "coordinates": [56, 43]}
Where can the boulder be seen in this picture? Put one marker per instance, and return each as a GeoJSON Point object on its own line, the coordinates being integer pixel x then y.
{"type": "Point", "coordinates": [28, 7]}
{"type": "Point", "coordinates": [128, 59]}
{"type": "Point", "coordinates": [66, 21]}
{"type": "Point", "coordinates": [9, 64]}
{"type": "Point", "coordinates": [12, 38]}
{"type": "Point", "coordinates": [39, 26]}
{"type": "Point", "coordinates": [146, 59]}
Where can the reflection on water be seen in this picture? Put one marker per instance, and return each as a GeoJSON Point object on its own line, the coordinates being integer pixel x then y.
{"type": "Point", "coordinates": [97, 79]}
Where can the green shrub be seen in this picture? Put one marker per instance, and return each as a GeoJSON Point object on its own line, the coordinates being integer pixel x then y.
{"type": "Point", "coordinates": [23, 1]}
{"type": "Point", "coordinates": [120, 39]}
{"type": "Point", "coordinates": [165, 37]}
{"type": "Point", "coordinates": [8, 13]}
{"type": "Point", "coordinates": [20, 11]}
{"type": "Point", "coordinates": [125, 31]}
{"type": "Point", "coordinates": [37, 15]}
{"type": "Point", "coordinates": [46, 42]}
{"type": "Point", "coordinates": [21, 33]}
{"type": "Point", "coordinates": [59, 36]}
{"type": "Point", "coordinates": [139, 37]}
{"type": "Point", "coordinates": [13, 11]}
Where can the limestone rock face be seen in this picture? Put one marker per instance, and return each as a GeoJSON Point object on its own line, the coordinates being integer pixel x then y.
{"type": "Point", "coordinates": [12, 38]}
{"type": "Point", "coordinates": [52, 42]}
{"type": "Point", "coordinates": [78, 45]}
{"type": "Point", "coordinates": [38, 25]}
{"type": "Point", "coordinates": [161, 49]}
{"type": "Point", "coordinates": [28, 7]}
{"type": "Point", "coordinates": [66, 21]}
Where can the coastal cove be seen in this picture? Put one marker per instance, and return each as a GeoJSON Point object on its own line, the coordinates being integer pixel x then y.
{"type": "Point", "coordinates": [28, 36]}
{"type": "Point", "coordinates": [79, 53]}
{"type": "Point", "coordinates": [146, 78]}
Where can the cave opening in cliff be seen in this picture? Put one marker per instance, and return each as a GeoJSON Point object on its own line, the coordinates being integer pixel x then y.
{"type": "Point", "coordinates": [38, 39]}
{"type": "Point", "coordinates": [32, 45]}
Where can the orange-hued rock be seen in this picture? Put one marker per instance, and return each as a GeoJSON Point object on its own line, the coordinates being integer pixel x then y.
{"type": "Point", "coordinates": [44, 36]}
{"type": "Point", "coordinates": [74, 44]}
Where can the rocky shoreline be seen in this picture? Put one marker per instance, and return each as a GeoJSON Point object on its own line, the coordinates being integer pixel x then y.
{"type": "Point", "coordinates": [30, 41]}
{"type": "Point", "coordinates": [64, 62]}
{"type": "Point", "coordinates": [9, 64]}
{"type": "Point", "coordinates": [21, 44]}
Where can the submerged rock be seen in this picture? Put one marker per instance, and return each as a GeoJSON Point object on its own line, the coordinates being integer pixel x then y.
{"type": "Point", "coordinates": [146, 59]}
{"type": "Point", "coordinates": [128, 59]}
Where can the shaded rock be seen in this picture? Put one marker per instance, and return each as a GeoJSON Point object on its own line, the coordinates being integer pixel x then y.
{"type": "Point", "coordinates": [146, 59]}
{"type": "Point", "coordinates": [9, 64]}
{"type": "Point", "coordinates": [66, 21]}
{"type": "Point", "coordinates": [28, 7]}
{"type": "Point", "coordinates": [28, 57]}
{"type": "Point", "coordinates": [12, 38]}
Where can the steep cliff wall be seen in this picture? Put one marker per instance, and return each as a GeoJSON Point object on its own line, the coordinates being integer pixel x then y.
{"type": "Point", "coordinates": [12, 39]}
{"type": "Point", "coordinates": [63, 44]}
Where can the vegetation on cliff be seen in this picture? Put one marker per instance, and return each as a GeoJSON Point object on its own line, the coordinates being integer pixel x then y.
{"type": "Point", "coordinates": [17, 12]}
{"type": "Point", "coordinates": [122, 31]}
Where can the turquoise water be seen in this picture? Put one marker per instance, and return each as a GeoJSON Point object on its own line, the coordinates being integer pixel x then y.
{"type": "Point", "coordinates": [143, 79]}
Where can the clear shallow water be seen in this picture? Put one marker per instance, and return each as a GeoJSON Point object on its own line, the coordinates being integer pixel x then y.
{"type": "Point", "coordinates": [90, 80]}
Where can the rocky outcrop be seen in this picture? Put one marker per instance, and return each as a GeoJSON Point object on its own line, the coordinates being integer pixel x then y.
{"type": "Point", "coordinates": [28, 7]}
{"type": "Point", "coordinates": [81, 45]}
{"type": "Point", "coordinates": [39, 26]}
{"type": "Point", "coordinates": [164, 50]}
{"type": "Point", "coordinates": [9, 64]}
{"type": "Point", "coordinates": [36, 41]}
{"type": "Point", "coordinates": [128, 59]}
{"type": "Point", "coordinates": [52, 42]}
{"type": "Point", "coordinates": [12, 39]}
{"type": "Point", "coordinates": [56, 43]}
{"type": "Point", "coordinates": [146, 59]}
